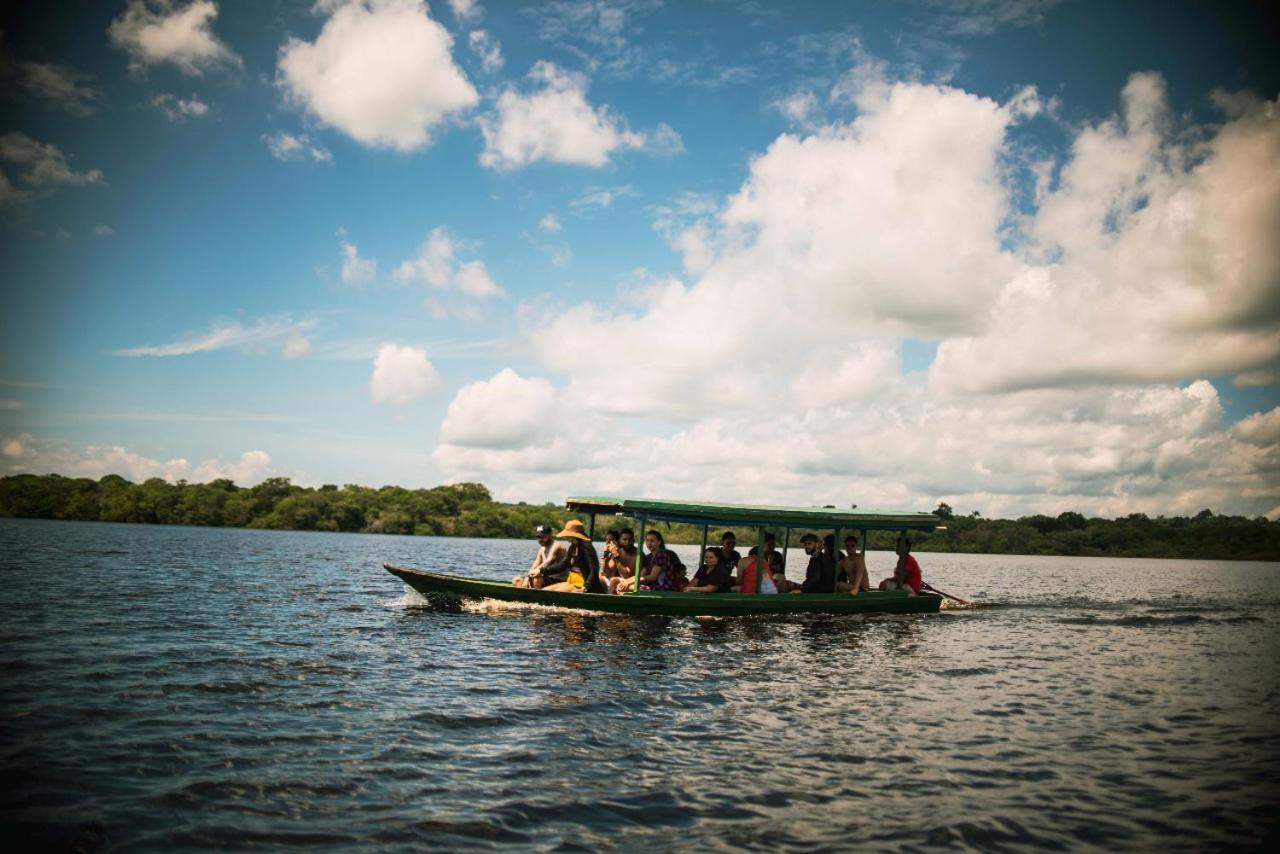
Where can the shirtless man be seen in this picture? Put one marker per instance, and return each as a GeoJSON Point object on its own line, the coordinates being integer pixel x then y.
{"type": "Point", "coordinates": [852, 574]}
{"type": "Point", "coordinates": [620, 565]}
{"type": "Point", "coordinates": [548, 562]}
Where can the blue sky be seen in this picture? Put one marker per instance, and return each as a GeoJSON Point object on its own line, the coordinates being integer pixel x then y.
{"type": "Point", "coordinates": [1018, 256]}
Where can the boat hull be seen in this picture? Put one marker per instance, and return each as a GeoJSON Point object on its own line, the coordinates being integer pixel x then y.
{"type": "Point", "coordinates": [656, 603]}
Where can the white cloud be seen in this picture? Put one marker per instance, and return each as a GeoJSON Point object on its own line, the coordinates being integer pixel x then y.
{"type": "Point", "coordinates": [42, 164]}
{"type": "Point", "coordinates": [252, 467]}
{"type": "Point", "coordinates": [401, 374]}
{"type": "Point", "coordinates": [1158, 449]}
{"type": "Point", "coordinates": [550, 223]}
{"type": "Point", "coordinates": [1073, 327]}
{"type": "Point", "coordinates": [356, 270]}
{"type": "Point", "coordinates": [465, 10]}
{"type": "Point", "coordinates": [29, 454]}
{"type": "Point", "coordinates": [289, 146]}
{"type": "Point", "coordinates": [380, 71]}
{"type": "Point", "coordinates": [1261, 428]}
{"type": "Point", "coordinates": [1163, 259]}
{"type": "Point", "coordinates": [225, 334]}
{"type": "Point", "coordinates": [506, 412]}
{"type": "Point", "coordinates": [1145, 264]}
{"type": "Point", "coordinates": [487, 50]}
{"type": "Point", "coordinates": [178, 109]}
{"type": "Point", "coordinates": [61, 85]}
{"type": "Point", "coordinates": [554, 122]}
{"type": "Point", "coordinates": [103, 230]}
{"type": "Point", "coordinates": [884, 227]}
{"type": "Point", "coordinates": [798, 106]}
{"type": "Point", "coordinates": [155, 32]}
{"type": "Point", "coordinates": [438, 266]}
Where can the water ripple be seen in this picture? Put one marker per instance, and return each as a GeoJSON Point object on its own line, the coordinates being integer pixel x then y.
{"type": "Point", "coordinates": [236, 689]}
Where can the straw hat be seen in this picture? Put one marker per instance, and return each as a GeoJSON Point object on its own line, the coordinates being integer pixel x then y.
{"type": "Point", "coordinates": [573, 528]}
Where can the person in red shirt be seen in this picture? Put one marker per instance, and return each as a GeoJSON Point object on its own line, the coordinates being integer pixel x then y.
{"type": "Point", "coordinates": [906, 576]}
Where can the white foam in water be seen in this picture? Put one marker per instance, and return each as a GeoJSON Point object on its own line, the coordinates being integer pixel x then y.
{"type": "Point", "coordinates": [489, 606]}
{"type": "Point", "coordinates": [411, 599]}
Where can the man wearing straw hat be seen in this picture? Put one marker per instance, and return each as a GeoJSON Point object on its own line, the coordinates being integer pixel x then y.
{"type": "Point", "coordinates": [582, 563]}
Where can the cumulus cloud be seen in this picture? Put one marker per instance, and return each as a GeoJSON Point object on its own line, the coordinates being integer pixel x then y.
{"type": "Point", "coordinates": [1149, 259]}
{"type": "Point", "coordinates": [401, 374]}
{"type": "Point", "coordinates": [252, 337]}
{"type": "Point", "coordinates": [380, 71]}
{"type": "Point", "coordinates": [437, 265]}
{"type": "Point", "coordinates": [295, 146]}
{"type": "Point", "coordinates": [1074, 321]}
{"type": "Point", "coordinates": [156, 32]}
{"type": "Point", "coordinates": [506, 412]}
{"type": "Point", "coordinates": [30, 454]}
{"type": "Point", "coordinates": [889, 225]}
{"type": "Point", "coordinates": [553, 122]}
{"type": "Point", "coordinates": [177, 109]}
{"type": "Point", "coordinates": [1162, 259]}
{"type": "Point", "coordinates": [1156, 449]}
{"type": "Point", "coordinates": [41, 165]}
{"type": "Point", "coordinates": [1261, 428]}
{"type": "Point", "coordinates": [549, 222]}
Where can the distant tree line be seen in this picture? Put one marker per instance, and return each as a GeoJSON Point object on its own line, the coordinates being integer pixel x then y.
{"type": "Point", "coordinates": [468, 510]}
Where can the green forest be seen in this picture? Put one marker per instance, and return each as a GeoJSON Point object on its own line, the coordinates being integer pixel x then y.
{"type": "Point", "coordinates": [468, 510]}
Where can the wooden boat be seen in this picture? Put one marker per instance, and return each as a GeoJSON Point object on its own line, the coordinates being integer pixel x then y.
{"type": "Point", "coordinates": [758, 518]}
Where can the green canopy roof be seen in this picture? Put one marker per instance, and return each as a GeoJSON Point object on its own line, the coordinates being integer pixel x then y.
{"type": "Point", "coordinates": [753, 515]}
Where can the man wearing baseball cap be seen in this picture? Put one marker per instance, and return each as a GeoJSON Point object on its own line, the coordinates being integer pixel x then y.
{"type": "Point", "coordinates": [548, 565]}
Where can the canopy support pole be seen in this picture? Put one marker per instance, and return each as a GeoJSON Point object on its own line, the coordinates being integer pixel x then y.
{"type": "Point", "coordinates": [639, 553]}
{"type": "Point", "coordinates": [591, 526]}
{"type": "Point", "coordinates": [704, 546]}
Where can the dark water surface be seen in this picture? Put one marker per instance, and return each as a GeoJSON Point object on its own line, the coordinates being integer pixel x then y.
{"type": "Point", "coordinates": [191, 688]}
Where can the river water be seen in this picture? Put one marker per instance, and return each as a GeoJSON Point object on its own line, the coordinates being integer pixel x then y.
{"type": "Point", "coordinates": [192, 688]}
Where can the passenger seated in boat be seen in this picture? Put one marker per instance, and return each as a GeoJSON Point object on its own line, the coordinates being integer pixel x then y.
{"type": "Point", "coordinates": [582, 565]}
{"type": "Point", "coordinates": [747, 569]}
{"type": "Point", "coordinates": [906, 575]}
{"type": "Point", "coordinates": [619, 564]}
{"type": "Point", "coordinates": [728, 554]}
{"type": "Point", "coordinates": [777, 568]}
{"type": "Point", "coordinates": [852, 575]}
{"type": "Point", "coordinates": [712, 576]}
{"type": "Point", "coordinates": [608, 569]}
{"type": "Point", "coordinates": [548, 565]}
{"type": "Point", "coordinates": [659, 571]}
{"type": "Point", "coordinates": [820, 575]}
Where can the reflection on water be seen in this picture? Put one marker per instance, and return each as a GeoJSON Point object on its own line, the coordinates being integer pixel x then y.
{"type": "Point", "coordinates": [169, 687]}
